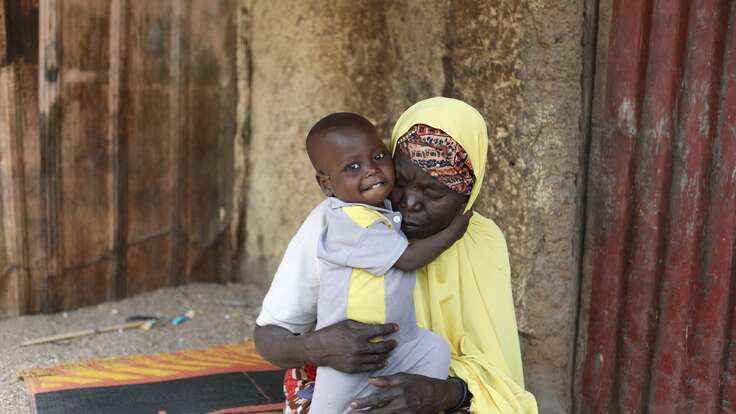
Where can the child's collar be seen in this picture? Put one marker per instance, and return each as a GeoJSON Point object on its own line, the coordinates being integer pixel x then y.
{"type": "Point", "coordinates": [336, 203]}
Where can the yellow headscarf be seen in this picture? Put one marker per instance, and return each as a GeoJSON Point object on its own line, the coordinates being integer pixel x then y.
{"type": "Point", "coordinates": [465, 294]}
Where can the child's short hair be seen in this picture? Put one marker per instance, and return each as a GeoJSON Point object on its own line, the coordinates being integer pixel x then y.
{"type": "Point", "coordinates": [332, 121]}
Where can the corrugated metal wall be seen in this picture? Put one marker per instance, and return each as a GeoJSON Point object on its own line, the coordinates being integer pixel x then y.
{"type": "Point", "coordinates": [661, 213]}
{"type": "Point", "coordinates": [117, 173]}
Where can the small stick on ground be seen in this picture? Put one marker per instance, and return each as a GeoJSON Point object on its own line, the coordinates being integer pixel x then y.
{"type": "Point", "coordinates": [89, 332]}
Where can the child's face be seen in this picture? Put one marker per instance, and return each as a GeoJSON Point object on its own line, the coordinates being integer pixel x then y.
{"type": "Point", "coordinates": [355, 166]}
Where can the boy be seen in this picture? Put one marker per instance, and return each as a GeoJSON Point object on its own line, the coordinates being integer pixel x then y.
{"type": "Point", "coordinates": [366, 262]}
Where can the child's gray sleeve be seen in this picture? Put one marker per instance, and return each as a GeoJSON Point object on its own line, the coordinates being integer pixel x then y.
{"type": "Point", "coordinates": [374, 248]}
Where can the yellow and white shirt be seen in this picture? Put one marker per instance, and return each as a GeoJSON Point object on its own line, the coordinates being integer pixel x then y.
{"type": "Point", "coordinates": [356, 253]}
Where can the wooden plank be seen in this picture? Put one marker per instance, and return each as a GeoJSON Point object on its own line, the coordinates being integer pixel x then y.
{"type": "Point", "coordinates": [180, 213]}
{"type": "Point", "coordinates": [18, 31]}
{"type": "Point", "coordinates": [211, 104]}
{"type": "Point", "coordinates": [3, 34]}
{"type": "Point", "coordinates": [14, 267]}
{"type": "Point", "coordinates": [85, 149]}
{"type": "Point", "coordinates": [118, 24]}
{"type": "Point", "coordinates": [8, 291]}
{"type": "Point", "coordinates": [76, 173]}
{"type": "Point", "coordinates": [18, 128]}
{"type": "Point", "coordinates": [49, 114]}
{"type": "Point", "coordinates": [86, 196]}
{"type": "Point", "coordinates": [207, 262]}
{"type": "Point", "coordinates": [8, 297]}
{"type": "Point", "coordinates": [13, 176]}
{"type": "Point", "coordinates": [148, 126]}
{"type": "Point", "coordinates": [34, 213]}
{"type": "Point", "coordinates": [82, 286]}
{"type": "Point", "coordinates": [149, 263]}
{"type": "Point", "coordinates": [151, 125]}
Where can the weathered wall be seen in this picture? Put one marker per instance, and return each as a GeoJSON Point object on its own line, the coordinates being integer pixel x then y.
{"type": "Point", "coordinates": [519, 62]}
{"type": "Point", "coordinates": [310, 59]}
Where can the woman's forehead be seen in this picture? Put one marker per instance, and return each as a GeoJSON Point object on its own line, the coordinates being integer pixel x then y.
{"type": "Point", "coordinates": [409, 171]}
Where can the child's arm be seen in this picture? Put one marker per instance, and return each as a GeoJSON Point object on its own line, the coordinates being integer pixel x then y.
{"type": "Point", "coordinates": [421, 252]}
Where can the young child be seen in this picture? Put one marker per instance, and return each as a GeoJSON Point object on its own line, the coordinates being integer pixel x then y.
{"type": "Point", "coordinates": [366, 263]}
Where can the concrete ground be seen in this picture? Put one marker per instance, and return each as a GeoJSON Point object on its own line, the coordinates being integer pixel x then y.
{"type": "Point", "coordinates": [224, 314]}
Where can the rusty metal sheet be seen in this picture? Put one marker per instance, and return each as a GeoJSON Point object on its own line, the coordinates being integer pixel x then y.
{"type": "Point", "coordinates": [660, 253]}
{"type": "Point", "coordinates": [683, 261]}
{"type": "Point", "coordinates": [610, 199]}
{"type": "Point", "coordinates": [713, 332]}
{"type": "Point", "coordinates": [651, 186]}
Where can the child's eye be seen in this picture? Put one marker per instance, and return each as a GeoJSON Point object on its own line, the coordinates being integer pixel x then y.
{"type": "Point", "coordinates": [352, 167]}
{"type": "Point", "coordinates": [380, 156]}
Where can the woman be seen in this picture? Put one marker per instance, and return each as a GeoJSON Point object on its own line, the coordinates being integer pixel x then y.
{"type": "Point", "coordinates": [464, 295]}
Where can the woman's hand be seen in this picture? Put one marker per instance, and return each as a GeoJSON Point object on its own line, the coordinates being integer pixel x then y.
{"type": "Point", "coordinates": [408, 393]}
{"type": "Point", "coordinates": [345, 346]}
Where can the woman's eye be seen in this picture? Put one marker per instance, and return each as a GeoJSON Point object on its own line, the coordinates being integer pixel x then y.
{"type": "Point", "coordinates": [433, 194]}
{"type": "Point", "coordinates": [352, 167]}
{"type": "Point", "coordinates": [380, 156]}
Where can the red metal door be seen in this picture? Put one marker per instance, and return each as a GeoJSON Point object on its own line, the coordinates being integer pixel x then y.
{"type": "Point", "coordinates": [661, 213]}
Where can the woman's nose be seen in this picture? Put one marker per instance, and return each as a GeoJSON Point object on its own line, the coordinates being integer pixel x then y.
{"type": "Point", "coordinates": [412, 201]}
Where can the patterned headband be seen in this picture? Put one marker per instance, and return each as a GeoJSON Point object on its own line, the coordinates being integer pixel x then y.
{"type": "Point", "coordinates": [440, 156]}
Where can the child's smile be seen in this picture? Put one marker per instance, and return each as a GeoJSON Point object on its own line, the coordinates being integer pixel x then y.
{"type": "Point", "coordinates": [374, 186]}
{"type": "Point", "coordinates": [375, 191]}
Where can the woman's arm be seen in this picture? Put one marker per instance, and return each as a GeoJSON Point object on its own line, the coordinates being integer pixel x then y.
{"type": "Point", "coordinates": [344, 346]}
{"type": "Point", "coordinates": [279, 346]}
{"type": "Point", "coordinates": [420, 252]}
{"type": "Point", "coordinates": [409, 393]}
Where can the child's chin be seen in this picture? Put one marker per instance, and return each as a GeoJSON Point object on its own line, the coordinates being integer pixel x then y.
{"type": "Point", "coordinates": [376, 197]}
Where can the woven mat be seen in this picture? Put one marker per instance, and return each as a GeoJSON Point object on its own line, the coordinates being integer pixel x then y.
{"type": "Point", "coordinates": [218, 380]}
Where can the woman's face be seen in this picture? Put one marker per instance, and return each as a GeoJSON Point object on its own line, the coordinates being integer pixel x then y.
{"type": "Point", "coordinates": [427, 205]}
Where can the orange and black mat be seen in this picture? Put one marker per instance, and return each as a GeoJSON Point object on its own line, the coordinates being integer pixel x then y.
{"type": "Point", "coordinates": [225, 379]}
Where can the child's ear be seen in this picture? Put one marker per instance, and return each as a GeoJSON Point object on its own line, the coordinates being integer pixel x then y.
{"type": "Point", "coordinates": [323, 180]}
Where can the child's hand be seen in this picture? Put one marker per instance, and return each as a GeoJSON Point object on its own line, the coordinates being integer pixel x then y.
{"type": "Point", "coordinates": [459, 224]}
